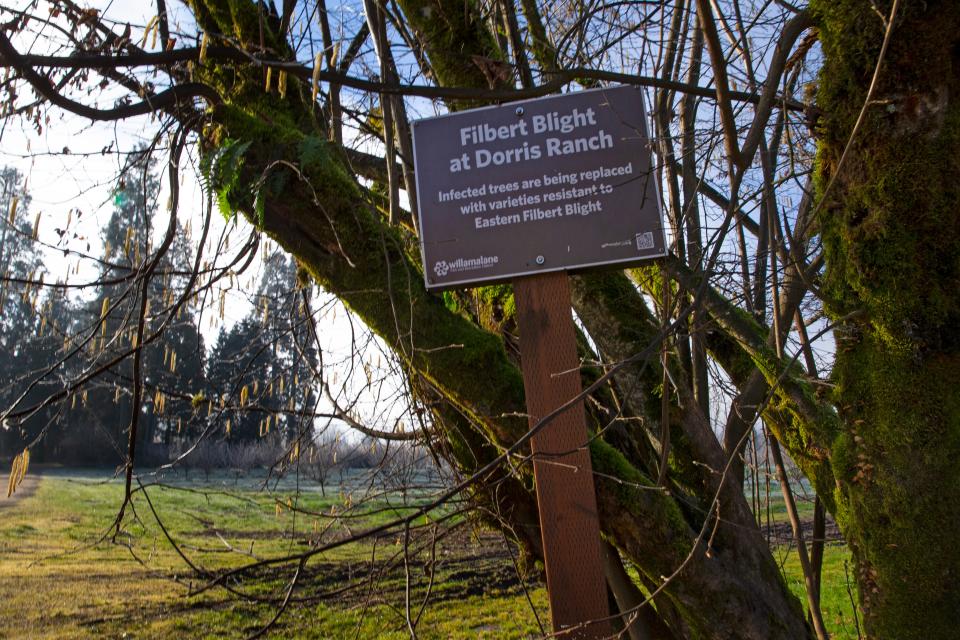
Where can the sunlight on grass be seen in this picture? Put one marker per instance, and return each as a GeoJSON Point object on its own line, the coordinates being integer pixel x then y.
{"type": "Point", "coordinates": [55, 583]}
{"type": "Point", "coordinates": [835, 600]}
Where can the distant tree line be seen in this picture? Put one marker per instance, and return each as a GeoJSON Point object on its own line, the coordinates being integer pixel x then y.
{"type": "Point", "coordinates": [252, 387]}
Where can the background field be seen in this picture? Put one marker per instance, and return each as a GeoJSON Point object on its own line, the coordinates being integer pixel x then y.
{"type": "Point", "coordinates": [60, 579]}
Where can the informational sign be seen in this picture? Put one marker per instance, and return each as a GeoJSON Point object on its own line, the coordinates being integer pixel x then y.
{"type": "Point", "coordinates": [557, 183]}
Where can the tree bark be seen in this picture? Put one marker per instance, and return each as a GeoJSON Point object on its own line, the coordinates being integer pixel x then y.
{"type": "Point", "coordinates": [888, 208]}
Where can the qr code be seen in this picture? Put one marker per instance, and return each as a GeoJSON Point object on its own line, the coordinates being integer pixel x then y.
{"type": "Point", "coordinates": [644, 240]}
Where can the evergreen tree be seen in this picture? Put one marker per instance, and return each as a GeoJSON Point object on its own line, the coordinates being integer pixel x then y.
{"type": "Point", "coordinates": [20, 267]}
{"type": "Point", "coordinates": [280, 305]}
{"type": "Point", "coordinates": [173, 364]}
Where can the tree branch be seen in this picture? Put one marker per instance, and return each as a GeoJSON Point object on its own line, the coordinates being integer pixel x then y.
{"type": "Point", "coordinates": [558, 79]}
{"type": "Point", "coordinates": [170, 99]}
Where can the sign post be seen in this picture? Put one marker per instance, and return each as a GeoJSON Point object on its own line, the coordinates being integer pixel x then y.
{"type": "Point", "coordinates": [527, 192]}
{"type": "Point", "coordinates": [566, 499]}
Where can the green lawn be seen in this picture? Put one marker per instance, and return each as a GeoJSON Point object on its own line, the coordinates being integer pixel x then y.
{"type": "Point", "coordinates": [835, 599]}
{"type": "Point", "coordinates": [59, 580]}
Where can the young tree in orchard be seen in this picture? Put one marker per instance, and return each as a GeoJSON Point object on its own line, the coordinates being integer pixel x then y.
{"type": "Point", "coordinates": [809, 163]}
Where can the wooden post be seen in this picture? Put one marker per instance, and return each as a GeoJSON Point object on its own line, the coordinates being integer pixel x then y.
{"type": "Point", "coordinates": [564, 476]}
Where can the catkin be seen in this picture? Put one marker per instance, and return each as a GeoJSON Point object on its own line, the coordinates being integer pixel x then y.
{"type": "Point", "coordinates": [147, 29]}
{"type": "Point", "coordinates": [104, 309]}
{"type": "Point", "coordinates": [18, 471]}
{"type": "Point", "coordinates": [13, 475]}
{"type": "Point", "coordinates": [316, 82]}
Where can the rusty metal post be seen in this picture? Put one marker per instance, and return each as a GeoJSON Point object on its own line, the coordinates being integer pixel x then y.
{"type": "Point", "coordinates": [564, 476]}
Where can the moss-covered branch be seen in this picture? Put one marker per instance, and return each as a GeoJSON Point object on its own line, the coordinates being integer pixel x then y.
{"type": "Point", "coordinates": [803, 422]}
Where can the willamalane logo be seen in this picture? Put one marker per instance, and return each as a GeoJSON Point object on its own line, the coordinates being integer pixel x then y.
{"type": "Point", "coordinates": [443, 267]}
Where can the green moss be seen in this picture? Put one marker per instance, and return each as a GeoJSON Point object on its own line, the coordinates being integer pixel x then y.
{"type": "Point", "coordinates": [499, 303]}
{"type": "Point", "coordinates": [244, 85]}
{"type": "Point", "coordinates": [883, 230]}
{"type": "Point", "coordinates": [450, 28]}
{"type": "Point", "coordinates": [540, 46]}
{"type": "Point", "coordinates": [240, 20]}
{"type": "Point", "coordinates": [891, 234]}
{"type": "Point", "coordinates": [660, 515]}
{"type": "Point", "coordinates": [491, 307]}
{"type": "Point", "coordinates": [451, 301]}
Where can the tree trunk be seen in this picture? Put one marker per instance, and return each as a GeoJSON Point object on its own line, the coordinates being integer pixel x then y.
{"type": "Point", "coordinates": [891, 232]}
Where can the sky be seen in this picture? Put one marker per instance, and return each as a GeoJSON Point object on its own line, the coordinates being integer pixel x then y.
{"type": "Point", "coordinates": [71, 169]}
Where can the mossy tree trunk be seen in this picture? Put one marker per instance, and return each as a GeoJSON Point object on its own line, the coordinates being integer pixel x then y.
{"type": "Point", "coordinates": [890, 217]}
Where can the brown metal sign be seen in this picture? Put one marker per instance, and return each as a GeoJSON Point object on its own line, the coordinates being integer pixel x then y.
{"type": "Point", "coordinates": [557, 183]}
{"type": "Point", "coordinates": [566, 498]}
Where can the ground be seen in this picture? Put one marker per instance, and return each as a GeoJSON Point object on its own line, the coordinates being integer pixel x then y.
{"type": "Point", "coordinates": [58, 579]}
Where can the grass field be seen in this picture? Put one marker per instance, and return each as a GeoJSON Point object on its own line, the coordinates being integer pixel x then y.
{"type": "Point", "coordinates": [58, 579]}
